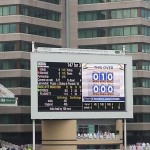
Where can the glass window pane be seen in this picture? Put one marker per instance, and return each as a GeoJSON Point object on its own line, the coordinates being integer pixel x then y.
{"type": "Point", "coordinates": [95, 16]}
{"type": "Point", "coordinates": [128, 48]}
{"type": "Point", "coordinates": [5, 10]}
{"type": "Point", "coordinates": [1, 11]}
{"type": "Point", "coordinates": [126, 31]}
{"type": "Point", "coordinates": [134, 13]}
{"type": "Point", "coordinates": [134, 30]}
{"type": "Point", "coordinates": [1, 47]}
{"type": "Point", "coordinates": [88, 33]}
{"type": "Point", "coordinates": [88, 16]}
{"type": "Point", "coordinates": [119, 31]}
{"type": "Point", "coordinates": [5, 28]}
{"type": "Point", "coordinates": [1, 29]}
{"type": "Point", "coordinates": [12, 28]}
{"type": "Point", "coordinates": [134, 48]}
{"type": "Point", "coordinates": [101, 15]}
{"type": "Point", "coordinates": [113, 14]}
{"type": "Point", "coordinates": [12, 10]}
{"type": "Point", "coordinates": [119, 14]}
{"type": "Point", "coordinates": [82, 34]}
{"type": "Point", "coordinates": [143, 13]}
{"type": "Point", "coordinates": [126, 13]}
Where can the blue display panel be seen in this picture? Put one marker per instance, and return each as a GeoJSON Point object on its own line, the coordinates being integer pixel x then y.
{"type": "Point", "coordinates": [80, 87]}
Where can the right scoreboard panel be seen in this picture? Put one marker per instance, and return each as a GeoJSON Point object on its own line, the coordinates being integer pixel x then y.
{"type": "Point", "coordinates": [103, 86]}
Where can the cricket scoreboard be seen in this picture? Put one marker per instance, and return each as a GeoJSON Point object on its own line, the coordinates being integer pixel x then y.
{"type": "Point", "coordinates": [68, 86]}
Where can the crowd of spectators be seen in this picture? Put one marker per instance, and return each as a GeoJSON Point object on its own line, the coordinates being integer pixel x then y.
{"type": "Point", "coordinates": [98, 135]}
{"type": "Point", "coordinates": [9, 146]}
{"type": "Point", "coordinates": [139, 146]}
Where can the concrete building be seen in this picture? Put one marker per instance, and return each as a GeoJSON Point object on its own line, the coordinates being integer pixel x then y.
{"type": "Point", "coordinates": [92, 24]}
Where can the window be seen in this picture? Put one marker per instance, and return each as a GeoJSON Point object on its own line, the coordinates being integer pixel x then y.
{"type": "Point", "coordinates": [24, 100]}
{"type": "Point", "coordinates": [135, 65]}
{"type": "Point", "coordinates": [141, 82]}
{"type": "Point", "coordinates": [146, 48]}
{"type": "Point", "coordinates": [5, 10]}
{"type": "Point", "coordinates": [145, 65]}
{"type": "Point", "coordinates": [12, 28]}
{"type": "Point", "coordinates": [5, 28]}
{"type": "Point", "coordinates": [12, 10]}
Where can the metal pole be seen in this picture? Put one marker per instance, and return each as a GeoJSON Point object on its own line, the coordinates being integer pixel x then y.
{"type": "Point", "coordinates": [33, 46]}
{"type": "Point", "coordinates": [67, 24]}
{"type": "Point", "coordinates": [33, 123]}
{"type": "Point", "coordinates": [125, 135]}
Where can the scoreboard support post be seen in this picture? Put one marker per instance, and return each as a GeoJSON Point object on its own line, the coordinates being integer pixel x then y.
{"type": "Point", "coordinates": [59, 134]}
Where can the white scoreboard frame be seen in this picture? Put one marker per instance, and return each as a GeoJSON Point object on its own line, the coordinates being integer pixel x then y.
{"type": "Point", "coordinates": [82, 58]}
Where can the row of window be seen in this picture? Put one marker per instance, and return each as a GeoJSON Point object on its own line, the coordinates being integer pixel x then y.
{"type": "Point", "coordinates": [144, 117]}
{"type": "Point", "coordinates": [123, 13]}
{"type": "Point", "coordinates": [141, 100]}
{"type": "Point", "coordinates": [146, 30]}
{"type": "Point", "coordinates": [14, 64]}
{"type": "Point", "coordinates": [124, 31]}
{"type": "Point", "coordinates": [39, 13]}
{"type": "Point", "coordinates": [115, 31]}
{"type": "Point", "coordinates": [113, 14]}
{"type": "Point", "coordinates": [15, 82]}
{"type": "Point", "coordinates": [100, 1]}
{"type": "Point", "coordinates": [30, 11]}
{"type": "Point", "coordinates": [141, 65]}
{"type": "Point", "coordinates": [94, 15]}
{"type": "Point", "coordinates": [40, 30]}
{"type": "Point", "coordinates": [52, 1]}
{"type": "Point", "coordinates": [16, 119]}
{"type": "Point", "coordinates": [21, 46]}
{"type": "Point", "coordinates": [7, 10]}
{"type": "Point", "coordinates": [102, 32]}
{"type": "Point", "coordinates": [141, 82]}
{"type": "Point", "coordinates": [132, 48]}
{"type": "Point", "coordinates": [30, 29]}
{"type": "Point", "coordinates": [90, 1]}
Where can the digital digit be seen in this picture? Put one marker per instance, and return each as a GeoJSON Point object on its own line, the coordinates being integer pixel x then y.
{"type": "Point", "coordinates": [102, 76]}
{"type": "Point", "coordinates": [95, 76]}
{"type": "Point", "coordinates": [110, 89]}
{"type": "Point", "coordinates": [95, 89]}
{"type": "Point", "coordinates": [109, 76]}
{"type": "Point", "coordinates": [102, 88]}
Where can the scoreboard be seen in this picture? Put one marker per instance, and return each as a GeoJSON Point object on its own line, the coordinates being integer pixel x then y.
{"type": "Point", "coordinates": [80, 87]}
{"type": "Point", "coordinates": [76, 86]}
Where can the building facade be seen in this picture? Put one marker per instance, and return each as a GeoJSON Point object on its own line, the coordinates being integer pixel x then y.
{"type": "Point", "coordinates": [87, 24]}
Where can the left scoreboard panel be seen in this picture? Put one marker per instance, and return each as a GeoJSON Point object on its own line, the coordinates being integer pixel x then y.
{"type": "Point", "coordinates": [59, 86]}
